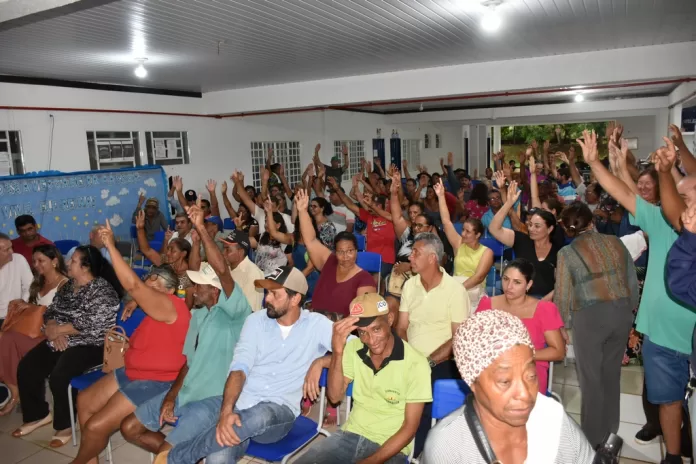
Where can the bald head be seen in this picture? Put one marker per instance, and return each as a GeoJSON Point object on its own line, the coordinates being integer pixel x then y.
{"type": "Point", "coordinates": [687, 189]}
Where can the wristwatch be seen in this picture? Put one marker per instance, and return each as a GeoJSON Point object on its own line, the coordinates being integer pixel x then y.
{"type": "Point", "coordinates": [431, 362]}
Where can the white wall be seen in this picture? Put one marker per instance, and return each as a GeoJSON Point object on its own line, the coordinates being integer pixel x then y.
{"type": "Point", "coordinates": [217, 146]}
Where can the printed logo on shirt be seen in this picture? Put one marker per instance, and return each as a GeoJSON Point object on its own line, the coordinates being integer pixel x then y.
{"type": "Point", "coordinates": [392, 396]}
{"type": "Point", "coordinates": [378, 222]}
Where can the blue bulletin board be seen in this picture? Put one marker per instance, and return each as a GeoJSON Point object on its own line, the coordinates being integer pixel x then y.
{"type": "Point", "coordinates": [67, 206]}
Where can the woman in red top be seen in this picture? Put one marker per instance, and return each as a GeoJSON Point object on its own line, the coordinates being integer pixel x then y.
{"type": "Point", "coordinates": [542, 318]}
{"type": "Point", "coordinates": [152, 362]}
{"type": "Point", "coordinates": [478, 203]}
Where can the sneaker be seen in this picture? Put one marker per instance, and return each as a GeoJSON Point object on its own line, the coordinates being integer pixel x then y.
{"type": "Point", "coordinates": [645, 436]}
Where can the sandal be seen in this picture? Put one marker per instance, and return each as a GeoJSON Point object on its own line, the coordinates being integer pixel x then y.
{"type": "Point", "coordinates": [331, 418]}
{"type": "Point", "coordinates": [306, 407]}
{"type": "Point", "coordinates": [26, 429]}
{"type": "Point", "coordinates": [59, 440]}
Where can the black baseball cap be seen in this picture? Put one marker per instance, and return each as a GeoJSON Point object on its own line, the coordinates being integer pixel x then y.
{"type": "Point", "coordinates": [190, 195]}
{"type": "Point", "coordinates": [238, 237]}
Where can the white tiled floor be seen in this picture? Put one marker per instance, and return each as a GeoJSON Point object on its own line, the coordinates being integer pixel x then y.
{"type": "Point", "coordinates": [34, 449]}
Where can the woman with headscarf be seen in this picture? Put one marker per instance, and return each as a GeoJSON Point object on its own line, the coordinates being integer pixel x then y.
{"type": "Point", "coordinates": [495, 357]}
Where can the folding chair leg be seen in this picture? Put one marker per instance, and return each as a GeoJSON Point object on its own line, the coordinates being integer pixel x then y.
{"type": "Point", "coordinates": [72, 416]}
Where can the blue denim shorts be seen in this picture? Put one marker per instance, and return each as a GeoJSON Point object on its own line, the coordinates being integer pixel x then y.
{"type": "Point", "coordinates": [193, 418]}
{"type": "Point", "coordinates": [139, 391]}
{"type": "Point", "coordinates": [666, 373]}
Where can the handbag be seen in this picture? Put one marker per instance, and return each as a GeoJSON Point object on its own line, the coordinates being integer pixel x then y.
{"type": "Point", "coordinates": [478, 433]}
{"type": "Point", "coordinates": [397, 281]}
{"type": "Point", "coordinates": [116, 344]}
{"type": "Point", "coordinates": [27, 322]}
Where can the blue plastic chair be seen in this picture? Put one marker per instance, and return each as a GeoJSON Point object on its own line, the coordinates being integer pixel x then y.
{"type": "Point", "coordinates": [64, 246]}
{"type": "Point", "coordinates": [362, 241]}
{"type": "Point", "coordinates": [459, 227]}
{"type": "Point", "coordinates": [92, 375]}
{"type": "Point", "coordinates": [140, 272]}
{"type": "Point", "coordinates": [303, 431]}
{"type": "Point", "coordinates": [371, 262]}
{"type": "Point", "coordinates": [448, 395]}
{"type": "Point", "coordinates": [228, 224]}
{"type": "Point", "coordinates": [159, 236]}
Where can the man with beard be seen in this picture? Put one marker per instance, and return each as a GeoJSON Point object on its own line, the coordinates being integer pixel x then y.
{"type": "Point", "coordinates": [267, 378]}
{"type": "Point", "coordinates": [390, 385]}
{"type": "Point", "coordinates": [215, 328]}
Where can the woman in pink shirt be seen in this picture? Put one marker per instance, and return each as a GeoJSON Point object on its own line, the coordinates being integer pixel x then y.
{"type": "Point", "coordinates": [542, 318]}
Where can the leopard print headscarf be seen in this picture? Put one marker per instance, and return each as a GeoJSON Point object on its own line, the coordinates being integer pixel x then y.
{"type": "Point", "coordinates": [483, 337]}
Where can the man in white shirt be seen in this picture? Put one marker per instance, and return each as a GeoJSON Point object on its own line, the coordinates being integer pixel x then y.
{"type": "Point", "coordinates": [244, 272]}
{"type": "Point", "coordinates": [260, 216]}
{"type": "Point", "coordinates": [342, 217]}
{"type": "Point", "coordinates": [183, 227]}
{"type": "Point", "coordinates": [15, 276]}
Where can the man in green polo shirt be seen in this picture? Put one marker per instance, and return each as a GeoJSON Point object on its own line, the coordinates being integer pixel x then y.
{"type": "Point", "coordinates": [214, 330]}
{"type": "Point", "coordinates": [391, 384]}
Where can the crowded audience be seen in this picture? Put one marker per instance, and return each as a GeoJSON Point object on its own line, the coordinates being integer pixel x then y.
{"type": "Point", "coordinates": [240, 323]}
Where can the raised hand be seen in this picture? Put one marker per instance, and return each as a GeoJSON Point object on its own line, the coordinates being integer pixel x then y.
{"type": "Point", "coordinates": [332, 182]}
{"type": "Point", "coordinates": [588, 144]}
{"type": "Point", "coordinates": [301, 200]}
{"type": "Point", "coordinates": [107, 235]}
{"type": "Point", "coordinates": [507, 172]}
{"type": "Point", "coordinates": [195, 238]}
{"type": "Point", "coordinates": [442, 164]}
{"type": "Point", "coordinates": [396, 181]}
{"type": "Point", "coordinates": [665, 157]}
{"type": "Point", "coordinates": [344, 150]}
{"type": "Point", "coordinates": [404, 163]}
{"type": "Point", "coordinates": [268, 206]}
{"type": "Point", "coordinates": [677, 137]}
{"type": "Point", "coordinates": [356, 180]}
{"type": "Point", "coordinates": [281, 171]}
{"type": "Point", "coordinates": [178, 183]}
{"type": "Point", "coordinates": [547, 144]}
{"type": "Point", "coordinates": [499, 178]}
{"type": "Point", "coordinates": [532, 162]}
{"type": "Point", "coordinates": [512, 193]}
{"type": "Point", "coordinates": [211, 185]}
{"type": "Point", "coordinates": [168, 234]}
{"type": "Point", "coordinates": [450, 159]}
{"type": "Point", "coordinates": [265, 175]}
{"type": "Point", "coordinates": [571, 153]}
{"type": "Point", "coordinates": [534, 145]}
{"type": "Point", "coordinates": [140, 220]}
{"type": "Point", "coordinates": [141, 200]}
{"type": "Point", "coordinates": [529, 152]}
{"type": "Point", "coordinates": [195, 214]}
{"type": "Point", "coordinates": [423, 181]}
{"type": "Point", "coordinates": [563, 157]}
{"type": "Point", "coordinates": [223, 188]}
{"type": "Point", "coordinates": [317, 148]}
{"type": "Point", "coordinates": [439, 189]}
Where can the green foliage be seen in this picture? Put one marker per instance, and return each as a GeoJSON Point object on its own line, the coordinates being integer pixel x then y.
{"type": "Point", "coordinates": [513, 135]}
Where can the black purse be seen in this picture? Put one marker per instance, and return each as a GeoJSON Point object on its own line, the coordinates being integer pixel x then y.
{"type": "Point", "coordinates": [478, 433]}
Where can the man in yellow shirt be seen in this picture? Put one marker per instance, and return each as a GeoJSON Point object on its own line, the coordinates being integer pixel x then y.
{"type": "Point", "coordinates": [390, 388]}
{"type": "Point", "coordinates": [433, 305]}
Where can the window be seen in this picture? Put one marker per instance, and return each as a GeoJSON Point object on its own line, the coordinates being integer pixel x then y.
{"type": "Point", "coordinates": [356, 153]}
{"type": "Point", "coordinates": [113, 150]}
{"type": "Point", "coordinates": [167, 148]}
{"type": "Point", "coordinates": [285, 153]}
{"type": "Point", "coordinates": [11, 159]}
{"type": "Point", "coordinates": [410, 151]}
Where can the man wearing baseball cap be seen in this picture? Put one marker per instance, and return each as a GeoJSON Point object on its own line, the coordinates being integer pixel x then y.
{"type": "Point", "coordinates": [154, 219]}
{"type": "Point", "coordinates": [267, 378]}
{"type": "Point", "coordinates": [213, 333]}
{"type": "Point", "coordinates": [244, 272]}
{"type": "Point", "coordinates": [391, 384]}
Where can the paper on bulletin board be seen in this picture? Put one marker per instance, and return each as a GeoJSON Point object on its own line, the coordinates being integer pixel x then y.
{"type": "Point", "coordinates": [5, 164]}
{"type": "Point", "coordinates": [160, 149]}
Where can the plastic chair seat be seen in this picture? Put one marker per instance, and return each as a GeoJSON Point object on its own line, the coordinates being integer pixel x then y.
{"type": "Point", "coordinates": [64, 246]}
{"type": "Point", "coordinates": [85, 380]}
{"type": "Point", "coordinates": [303, 430]}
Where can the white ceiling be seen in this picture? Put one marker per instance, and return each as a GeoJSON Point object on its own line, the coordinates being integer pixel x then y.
{"type": "Point", "coordinates": [271, 42]}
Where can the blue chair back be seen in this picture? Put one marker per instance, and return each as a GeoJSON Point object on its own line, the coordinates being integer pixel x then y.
{"type": "Point", "coordinates": [448, 395]}
{"type": "Point", "coordinates": [369, 261]}
{"type": "Point", "coordinates": [495, 246]}
{"type": "Point", "coordinates": [132, 323]}
{"type": "Point", "coordinates": [228, 224]}
{"type": "Point", "coordinates": [362, 241]}
{"type": "Point", "coordinates": [140, 272]}
{"type": "Point", "coordinates": [134, 232]}
{"type": "Point", "coordinates": [459, 227]}
{"type": "Point", "coordinates": [172, 224]}
{"type": "Point", "coordinates": [159, 236]}
{"type": "Point", "coordinates": [66, 245]}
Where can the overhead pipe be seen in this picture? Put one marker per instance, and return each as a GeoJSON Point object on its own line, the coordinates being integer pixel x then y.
{"type": "Point", "coordinates": [356, 106]}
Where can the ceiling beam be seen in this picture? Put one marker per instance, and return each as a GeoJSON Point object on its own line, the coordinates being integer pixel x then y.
{"type": "Point", "coordinates": [15, 13]}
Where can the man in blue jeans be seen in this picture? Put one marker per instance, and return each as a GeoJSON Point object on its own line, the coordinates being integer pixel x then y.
{"type": "Point", "coordinates": [267, 377]}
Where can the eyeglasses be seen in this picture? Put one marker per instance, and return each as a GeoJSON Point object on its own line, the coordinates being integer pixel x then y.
{"type": "Point", "coordinates": [419, 226]}
{"type": "Point", "coordinates": [159, 272]}
{"type": "Point", "coordinates": [346, 252]}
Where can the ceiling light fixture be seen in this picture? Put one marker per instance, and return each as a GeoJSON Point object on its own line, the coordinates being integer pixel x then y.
{"type": "Point", "coordinates": [579, 97]}
{"type": "Point", "coordinates": [491, 21]}
{"type": "Point", "coordinates": [140, 71]}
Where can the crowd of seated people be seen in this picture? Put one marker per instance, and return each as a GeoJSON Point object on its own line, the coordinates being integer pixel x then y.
{"type": "Point", "coordinates": [218, 304]}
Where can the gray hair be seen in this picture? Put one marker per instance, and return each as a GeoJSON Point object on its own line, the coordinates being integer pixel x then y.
{"type": "Point", "coordinates": [433, 242]}
{"type": "Point", "coordinates": [167, 274]}
{"type": "Point", "coordinates": [5, 237]}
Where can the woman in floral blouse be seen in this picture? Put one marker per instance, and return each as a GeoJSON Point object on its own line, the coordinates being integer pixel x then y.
{"type": "Point", "coordinates": [76, 322]}
{"type": "Point", "coordinates": [321, 209]}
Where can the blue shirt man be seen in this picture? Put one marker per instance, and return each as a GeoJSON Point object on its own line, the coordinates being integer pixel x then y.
{"type": "Point", "coordinates": [261, 401]}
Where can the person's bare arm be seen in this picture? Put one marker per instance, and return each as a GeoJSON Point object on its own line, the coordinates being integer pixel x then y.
{"type": "Point", "coordinates": [318, 252]}
{"type": "Point", "coordinates": [533, 185]}
{"type": "Point", "coordinates": [481, 272]}
{"type": "Point", "coordinates": [400, 223]}
{"type": "Point", "coordinates": [404, 164]}
{"type": "Point", "coordinates": [402, 325]}
{"type": "Point", "coordinates": [195, 259]}
{"type": "Point", "coordinates": [337, 382]}
{"type": "Point", "coordinates": [214, 206]}
{"type": "Point", "coordinates": [143, 244]}
{"type": "Point", "coordinates": [273, 227]}
{"type": "Point", "coordinates": [265, 176]}
{"type": "Point", "coordinates": [574, 171]}
{"type": "Point", "coordinates": [687, 158]}
{"type": "Point", "coordinates": [180, 192]}
{"type": "Point", "coordinates": [672, 203]}
{"type": "Point", "coordinates": [238, 179]}
{"type": "Point", "coordinates": [503, 235]}
{"type": "Point", "coordinates": [226, 201]}
{"type": "Point", "coordinates": [612, 184]}
{"type": "Point", "coordinates": [347, 201]}
{"type": "Point", "coordinates": [555, 347]}
{"type": "Point", "coordinates": [346, 161]}
{"type": "Point", "coordinates": [452, 235]}
{"type": "Point", "coordinates": [154, 303]}
{"type": "Point", "coordinates": [619, 161]}
{"type": "Point", "coordinates": [444, 351]}
{"type": "Point", "coordinates": [284, 181]}
{"type": "Point", "coordinates": [212, 252]}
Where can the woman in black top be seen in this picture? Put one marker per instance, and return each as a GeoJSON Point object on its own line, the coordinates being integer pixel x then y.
{"type": "Point", "coordinates": [76, 322]}
{"type": "Point", "coordinates": [537, 247]}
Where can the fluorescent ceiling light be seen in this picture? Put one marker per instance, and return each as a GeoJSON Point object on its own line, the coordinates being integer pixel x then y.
{"type": "Point", "coordinates": [579, 98]}
{"type": "Point", "coordinates": [140, 71]}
